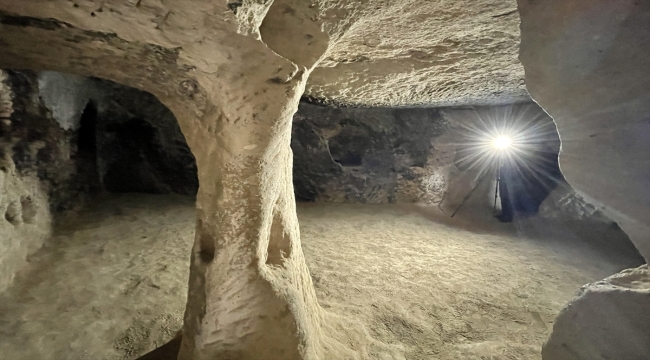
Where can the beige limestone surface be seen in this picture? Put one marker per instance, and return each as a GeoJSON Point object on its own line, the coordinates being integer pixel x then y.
{"type": "Point", "coordinates": [232, 73]}
{"type": "Point", "coordinates": [587, 65]}
{"type": "Point", "coordinates": [250, 293]}
{"type": "Point", "coordinates": [608, 319]}
{"type": "Point", "coordinates": [431, 53]}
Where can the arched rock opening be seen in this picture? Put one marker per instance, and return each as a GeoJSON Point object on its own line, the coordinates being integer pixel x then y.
{"type": "Point", "coordinates": [64, 141]}
{"type": "Point", "coordinates": [233, 97]}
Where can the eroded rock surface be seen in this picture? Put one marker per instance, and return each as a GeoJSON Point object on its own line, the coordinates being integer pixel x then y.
{"type": "Point", "coordinates": [35, 171]}
{"type": "Point", "coordinates": [586, 64]}
{"type": "Point", "coordinates": [368, 155]}
{"type": "Point", "coordinates": [607, 320]}
{"type": "Point", "coordinates": [428, 53]}
{"type": "Point", "coordinates": [234, 98]}
{"type": "Point", "coordinates": [417, 155]}
{"type": "Point", "coordinates": [57, 145]}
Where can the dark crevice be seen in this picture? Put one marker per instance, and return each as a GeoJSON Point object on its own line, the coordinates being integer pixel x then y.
{"type": "Point", "coordinates": [233, 6]}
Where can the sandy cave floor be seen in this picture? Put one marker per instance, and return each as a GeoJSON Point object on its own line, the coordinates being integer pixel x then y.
{"type": "Point", "coordinates": [111, 283]}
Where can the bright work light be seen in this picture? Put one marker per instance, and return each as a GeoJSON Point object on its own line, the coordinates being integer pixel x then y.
{"type": "Point", "coordinates": [502, 142]}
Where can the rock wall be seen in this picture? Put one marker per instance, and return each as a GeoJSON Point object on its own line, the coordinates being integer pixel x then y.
{"type": "Point", "coordinates": [429, 156]}
{"type": "Point", "coordinates": [130, 139]}
{"type": "Point", "coordinates": [606, 320]}
{"type": "Point", "coordinates": [63, 137]}
{"type": "Point", "coordinates": [234, 86]}
{"type": "Point", "coordinates": [139, 144]}
{"type": "Point", "coordinates": [34, 162]}
{"type": "Point", "coordinates": [368, 155]}
{"type": "Point", "coordinates": [586, 63]}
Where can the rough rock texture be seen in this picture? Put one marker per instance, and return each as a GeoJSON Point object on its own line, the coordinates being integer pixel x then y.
{"type": "Point", "coordinates": [433, 53]}
{"type": "Point", "coordinates": [58, 143]}
{"type": "Point", "coordinates": [586, 63]}
{"type": "Point", "coordinates": [66, 96]}
{"type": "Point", "coordinates": [31, 147]}
{"type": "Point", "coordinates": [39, 145]}
{"type": "Point", "coordinates": [607, 320]}
{"type": "Point", "coordinates": [565, 203]}
{"type": "Point", "coordinates": [232, 72]}
{"type": "Point", "coordinates": [131, 142]}
{"type": "Point", "coordinates": [430, 156]}
{"type": "Point", "coordinates": [368, 155]}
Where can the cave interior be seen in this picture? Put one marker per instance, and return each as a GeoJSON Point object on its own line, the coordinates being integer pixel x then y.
{"type": "Point", "coordinates": [324, 180]}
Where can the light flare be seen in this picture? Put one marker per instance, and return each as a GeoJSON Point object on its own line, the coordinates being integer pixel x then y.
{"type": "Point", "coordinates": [502, 142]}
{"type": "Point", "coordinates": [526, 140]}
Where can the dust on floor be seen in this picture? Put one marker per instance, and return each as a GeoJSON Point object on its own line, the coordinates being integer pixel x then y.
{"type": "Point", "coordinates": [112, 282]}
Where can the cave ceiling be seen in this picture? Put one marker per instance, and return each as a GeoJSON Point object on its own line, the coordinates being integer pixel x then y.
{"type": "Point", "coordinates": [370, 52]}
{"type": "Point", "coordinates": [425, 52]}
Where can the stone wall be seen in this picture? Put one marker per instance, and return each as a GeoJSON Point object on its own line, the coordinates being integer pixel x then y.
{"type": "Point", "coordinates": [132, 140]}
{"type": "Point", "coordinates": [34, 161]}
{"type": "Point", "coordinates": [586, 63]}
{"type": "Point", "coordinates": [429, 156]}
{"type": "Point", "coordinates": [368, 155]}
{"type": "Point", "coordinates": [64, 137]}
{"type": "Point", "coordinates": [607, 319]}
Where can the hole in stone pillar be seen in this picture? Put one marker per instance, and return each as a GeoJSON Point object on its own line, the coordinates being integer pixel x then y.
{"type": "Point", "coordinates": [13, 214]}
{"type": "Point", "coordinates": [29, 209]}
{"type": "Point", "coordinates": [207, 251]}
{"type": "Point", "coordinates": [279, 243]}
{"type": "Point", "coordinates": [207, 246]}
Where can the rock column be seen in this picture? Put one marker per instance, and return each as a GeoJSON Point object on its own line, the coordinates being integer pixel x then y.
{"type": "Point", "coordinates": [250, 293]}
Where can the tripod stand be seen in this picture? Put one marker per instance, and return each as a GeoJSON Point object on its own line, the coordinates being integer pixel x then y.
{"type": "Point", "coordinates": [480, 180]}
{"type": "Point", "coordinates": [496, 189]}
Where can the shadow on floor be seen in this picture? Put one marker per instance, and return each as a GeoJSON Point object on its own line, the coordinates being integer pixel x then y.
{"type": "Point", "coordinates": [168, 351]}
{"type": "Point", "coordinates": [606, 240]}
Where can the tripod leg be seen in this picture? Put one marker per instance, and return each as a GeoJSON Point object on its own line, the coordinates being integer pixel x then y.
{"type": "Point", "coordinates": [480, 180]}
{"type": "Point", "coordinates": [496, 190]}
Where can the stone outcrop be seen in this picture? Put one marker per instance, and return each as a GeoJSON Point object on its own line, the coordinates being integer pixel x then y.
{"type": "Point", "coordinates": [368, 155]}
{"type": "Point", "coordinates": [424, 53]}
{"type": "Point", "coordinates": [35, 166]}
{"type": "Point", "coordinates": [39, 143]}
{"type": "Point", "coordinates": [586, 64]}
{"type": "Point", "coordinates": [64, 137]}
{"type": "Point", "coordinates": [607, 320]}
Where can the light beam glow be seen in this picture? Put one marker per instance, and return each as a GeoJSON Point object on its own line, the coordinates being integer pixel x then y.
{"type": "Point", "coordinates": [522, 137]}
{"type": "Point", "coordinates": [502, 142]}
